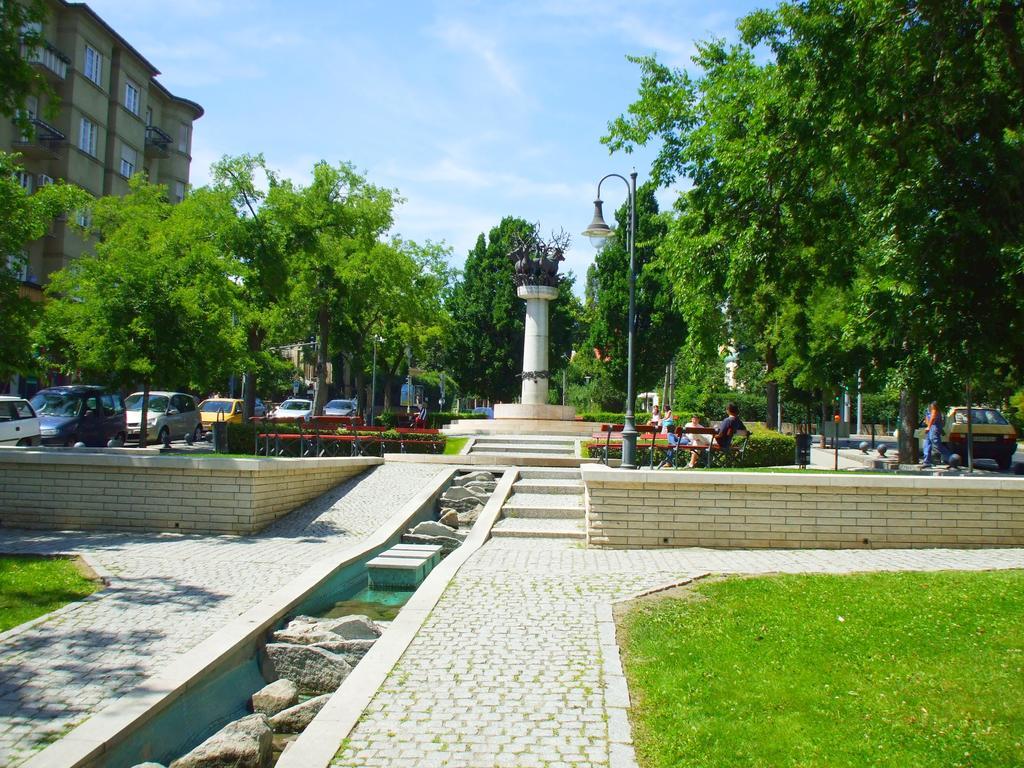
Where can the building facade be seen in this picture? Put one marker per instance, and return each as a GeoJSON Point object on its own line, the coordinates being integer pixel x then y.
{"type": "Point", "coordinates": [113, 120]}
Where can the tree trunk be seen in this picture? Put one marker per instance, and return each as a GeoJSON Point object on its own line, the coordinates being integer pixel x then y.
{"type": "Point", "coordinates": [360, 392]}
{"type": "Point", "coordinates": [253, 344]}
{"type": "Point", "coordinates": [144, 416]}
{"type": "Point", "coordinates": [771, 390]}
{"type": "Point", "coordinates": [320, 393]}
{"type": "Point", "coordinates": [825, 416]}
{"type": "Point", "coordinates": [386, 387]}
{"type": "Point", "coordinates": [908, 425]}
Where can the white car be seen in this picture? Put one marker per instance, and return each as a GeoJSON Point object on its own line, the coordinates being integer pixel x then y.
{"type": "Point", "coordinates": [293, 408]}
{"type": "Point", "coordinates": [171, 414]}
{"type": "Point", "coordinates": [19, 424]}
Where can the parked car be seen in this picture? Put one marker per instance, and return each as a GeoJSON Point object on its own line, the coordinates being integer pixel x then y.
{"type": "Point", "coordinates": [220, 409]}
{"type": "Point", "coordinates": [80, 413]}
{"type": "Point", "coordinates": [170, 413]}
{"type": "Point", "coordinates": [340, 408]}
{"type": "Point", "coordinates": [259, 410]}
{"type": "Point", "coordinates": [994, 437]}
{"type": "Point", "coordinates": [486, 410]}
{"type": "Point", "coordinates": [293, 408]}
{"type": "Point", "coordinates": [19, 424]}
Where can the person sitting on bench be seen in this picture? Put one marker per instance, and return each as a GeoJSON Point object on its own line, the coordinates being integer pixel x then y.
{"type": "Point", "coordinates": [420, 422]}
{"type": "Point", "coordinates": [730, 425]}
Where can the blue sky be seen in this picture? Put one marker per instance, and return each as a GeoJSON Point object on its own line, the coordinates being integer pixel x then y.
{"type": "Point", "coordinates": [472, 110]}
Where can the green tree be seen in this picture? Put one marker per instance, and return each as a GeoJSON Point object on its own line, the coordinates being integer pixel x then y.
{"type": "Point", "coordinates": [24, 218]}
{"type": "Point", "coordinates": [19, 26]}
{"type": "Point", "coordinates": [153, 304]}
{"type": "Point", "coordinates": [659, 327]}
{"type": "Point", "coordinates": [326, 228]}
{"type": "Point", "coordinates": [485, 351]}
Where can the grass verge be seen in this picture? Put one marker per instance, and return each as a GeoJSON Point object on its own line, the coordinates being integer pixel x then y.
{"type": "Point", "coordinates": [885, 670]}
{"type": "Point", "coordinates": [454, 445]}
{"type": "Point", "coordinates": [32, 586]}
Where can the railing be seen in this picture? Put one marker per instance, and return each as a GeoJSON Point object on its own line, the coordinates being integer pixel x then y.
{"type": "Point", "coordinates": [157, 140]}
{"type": "Point", "coordinates": [49, 56]}
{"type": "Point", "coordinates": [43, 134]}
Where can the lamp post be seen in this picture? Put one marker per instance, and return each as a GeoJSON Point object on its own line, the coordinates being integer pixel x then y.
{"type": "Point", "coordinates": [599, 232]}
{"type": "Point", "coordinates": [373, 379]}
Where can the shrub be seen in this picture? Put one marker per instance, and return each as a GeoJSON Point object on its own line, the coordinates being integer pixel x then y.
{"type": "Point", "coordinates": [438, 420]}
{"type": "Point", "coordinates": [611, 417]}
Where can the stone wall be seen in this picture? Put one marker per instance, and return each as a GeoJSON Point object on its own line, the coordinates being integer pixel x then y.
{"type": "Point", "coordinates": [642, 509]}
{"type": "Point", "coordinates": [123, 492]}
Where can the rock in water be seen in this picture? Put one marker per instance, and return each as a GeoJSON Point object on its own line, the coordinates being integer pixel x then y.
{"type": "Point", "coordinates": [354, 627]}
{"type": "Point", "coordinates": [313, 670]}
{"type": "Point", "coordinates": [458, 493]}
{"type": "Point", "coordinates": [295, 719]}
{"type": "Point", "coordinates": [430, 528]}
{"type": "Point", "coordinates": [482, 477]}
{"type": "Point", "coordinates": [449, 517]}
{"type": "Point", "coordinates": [350, 650]}
{"type": "Point", "coordinates": [275, 697]}
{"type": "Point", "coordinates": [148, 765]}
{"type": "Point", "coordinates": [245, 743]}
{"type": "Point", "coordinates": [303, 634]}
{"type": "Point", "coordinates": [448, 544]}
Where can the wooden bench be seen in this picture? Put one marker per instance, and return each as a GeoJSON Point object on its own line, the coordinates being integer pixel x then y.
{"type": "Point", "coordinates": [407, 436]}
{"type": "Point", "coordinates": [605, 433]}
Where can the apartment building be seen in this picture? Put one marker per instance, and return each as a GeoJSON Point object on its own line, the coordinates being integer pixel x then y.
{"type": "Point", "coordinates": [114, 120]}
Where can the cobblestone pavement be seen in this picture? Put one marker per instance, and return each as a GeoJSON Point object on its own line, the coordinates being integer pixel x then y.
{"type": "Point", "coordinates": [516, 666]}
{"type": "Point", "coordinates": [169, 593]}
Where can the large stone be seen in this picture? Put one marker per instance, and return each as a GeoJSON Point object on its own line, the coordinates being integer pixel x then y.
{"type": "Point", "coordinates": [468, 519]}
{"type": "Point", "coordinates": [449, 517]}
{"type": "Point", "coordinates": [472, 477]}
{"type": "Point", "coordinates": [148, 765]}
{"type": "Point", "coordinates": [245, 743]}
{"type": "Point", "coordinates": [313, 670]}
{"type": "Point", "coordinates": [274, 697]}
{"type": "Point", "coordinates": [458, 493]}
{"type": "Point", "coordinates": [350, 650]}
{"type": "Point", "coordinates": [303, 634]}
{"type": "Point", "coordinates": [354, 627]}
{"type": "Point", "coordinates": [431, 528]}
{"type": "Point", "coordinates": [295, 719]}
{"type": "Point", "coordinates": [448, 544]}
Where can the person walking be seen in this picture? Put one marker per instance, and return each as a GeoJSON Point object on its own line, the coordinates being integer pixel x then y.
{"type": "Point", "coordinates": [933, 436]}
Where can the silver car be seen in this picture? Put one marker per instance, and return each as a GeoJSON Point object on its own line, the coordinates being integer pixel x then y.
{"type": "Point", "coordinates": [172, 415]}
{"type": "Point", "coordinates": [340, 408]}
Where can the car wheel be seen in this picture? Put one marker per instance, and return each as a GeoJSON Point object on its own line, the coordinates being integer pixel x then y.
{"type": "Point", "coordinates": [163, 436]}
{"type": "Point", "coordinates": [70, 442]}
{"type": "Point", "coordinates": [1004, 460]}
{"type": "Point", "coordinates": [122, 438]}
{"type": "Point", "coordinates": [197, 434]}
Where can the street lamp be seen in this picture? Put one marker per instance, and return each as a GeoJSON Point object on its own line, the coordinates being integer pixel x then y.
{"type": "Point", "coordinates": [598, 232]}
{"type": "Point", "coordinates": [373, 378]}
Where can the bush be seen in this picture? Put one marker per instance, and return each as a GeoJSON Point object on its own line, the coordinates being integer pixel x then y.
{"type": "Point", "coordinates": [438, 420]}
{"type": "Point", "coordinates": [241, 439]}
{"type": "Point", "coordinates": [766, 448]}
{"type": "Point", "coordinates": [611, 417]}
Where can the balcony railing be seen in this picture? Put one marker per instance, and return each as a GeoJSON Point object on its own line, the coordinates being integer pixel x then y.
{"type": "Point", "coordinates": [44, 135]}
{"type": "Point", "coordinates": [49, 57]}
{"type": "Point", "coordinates": [158, 141]}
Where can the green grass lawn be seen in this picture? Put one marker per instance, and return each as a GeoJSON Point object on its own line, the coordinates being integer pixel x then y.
{"type": "Point", "coordinates": [886, 670]}
{"type": "Point", "coordinates": [454, 445]}
{"type": "Point", "coordinates": [32, 586]}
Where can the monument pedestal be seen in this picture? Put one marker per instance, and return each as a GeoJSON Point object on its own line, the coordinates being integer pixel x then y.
{"type": "Point", "coordinates": [534, 405]}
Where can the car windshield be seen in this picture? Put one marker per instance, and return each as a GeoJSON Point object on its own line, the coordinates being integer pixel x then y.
{"type": "Point", "coordinates": [216, 406]}
{"type": "Point", "coordinates": [341, 404]}
{"type": "Point", "coordinates": [980, 416]}
{"type": "Point", "coordinates": [156, 402]}
{"type": "Point", "coordinates": [295, 405]}
{"type": "Point", "coordinates": [57, 404]}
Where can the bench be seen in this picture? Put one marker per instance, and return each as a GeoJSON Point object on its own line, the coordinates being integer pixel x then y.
{"type": "Point", "coordinates": [605, 433]}
{"type": "Point", "coordinates": [408, 436]}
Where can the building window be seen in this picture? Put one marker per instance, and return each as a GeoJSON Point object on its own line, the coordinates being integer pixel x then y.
{"type": "Point", "coordinates": [183, 137]}
{"type": "Point", "coordinates": [17, 265]}
{"type": "Point", "coordinates": [87, 136]}
{"type": "Point", "coordinates": [131, 97]}
{"type": "Point", "coordinates": [26, 181]}
{"type": "Point", "coordinates": [179, 191]}
{"type": "Point", "coordinates": [129, 160]}
{"type": "Point", "coordinates": [93, 65]}
{"type": "Point", "coordinates": [83, 217]}
{"type": "Point", "coordinates": [149, 116]}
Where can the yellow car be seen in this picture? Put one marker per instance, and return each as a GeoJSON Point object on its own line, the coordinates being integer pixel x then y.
{"type": "Point", "coordinates": [221, 409]}
{"type": "Point", "coordinates": [994, 437]}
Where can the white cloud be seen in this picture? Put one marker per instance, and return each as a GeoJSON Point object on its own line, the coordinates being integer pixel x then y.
{"type": "Point", "coordinates": [461, 37]}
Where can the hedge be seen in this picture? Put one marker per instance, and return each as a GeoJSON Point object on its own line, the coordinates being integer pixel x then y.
{"type": "Point", "coordinates": [767, 448]}
{"type": "Point", "coordinates": [610, 417]}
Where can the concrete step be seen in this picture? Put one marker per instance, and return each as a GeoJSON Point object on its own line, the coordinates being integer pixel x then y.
{"type": "Point", "coordinates": [551, 486]}
{"type": "Point", "coordinates": [546, 473]}
{"type": "Point", "coordinates": [525, 448]}
{"type": "Point", "coordinates": [540, 505]}
{"type": "Point", "coordinates": [545, 528]}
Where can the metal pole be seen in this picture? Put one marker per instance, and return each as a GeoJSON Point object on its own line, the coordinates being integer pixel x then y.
{"type": "Point", "coordinates": [565, 374]}
{"type": "Point", "coordinates": [408, 357]}
{"type": "Point", "coordinates": [860, 404]}
{"type": "Point", "coordinates": [970, 431]}
{"type": "Point", "coordinates": [629, 427]}
{"type": "Point", "coordinates": [373, 381]}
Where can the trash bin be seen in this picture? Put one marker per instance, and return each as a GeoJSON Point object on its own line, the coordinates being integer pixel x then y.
{"type": "Point", "coordinates": [803, 450]}
{"type": "Point", "coordinates": [220, 437]}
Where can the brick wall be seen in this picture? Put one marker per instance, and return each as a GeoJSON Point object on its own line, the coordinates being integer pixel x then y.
{"type": "Point", "coordinates": [644, 509]}
{"type": "Point", "coordinates": [120, 492]}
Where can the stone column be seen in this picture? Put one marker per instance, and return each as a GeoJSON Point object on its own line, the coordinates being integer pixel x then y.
{"type": "Point", "coordinates": [535, 343]}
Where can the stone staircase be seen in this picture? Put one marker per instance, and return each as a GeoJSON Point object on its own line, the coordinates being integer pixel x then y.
{"type": "Point", "coordinates": [545, 503]}
{"type": "Point", "coordinates": [523, 445]}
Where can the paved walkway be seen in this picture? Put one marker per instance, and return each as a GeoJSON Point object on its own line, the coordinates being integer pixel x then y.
{"type": "Point", "coordinates": [516, 666]}
{"type": "Point", "coordinates": [170, 592]}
